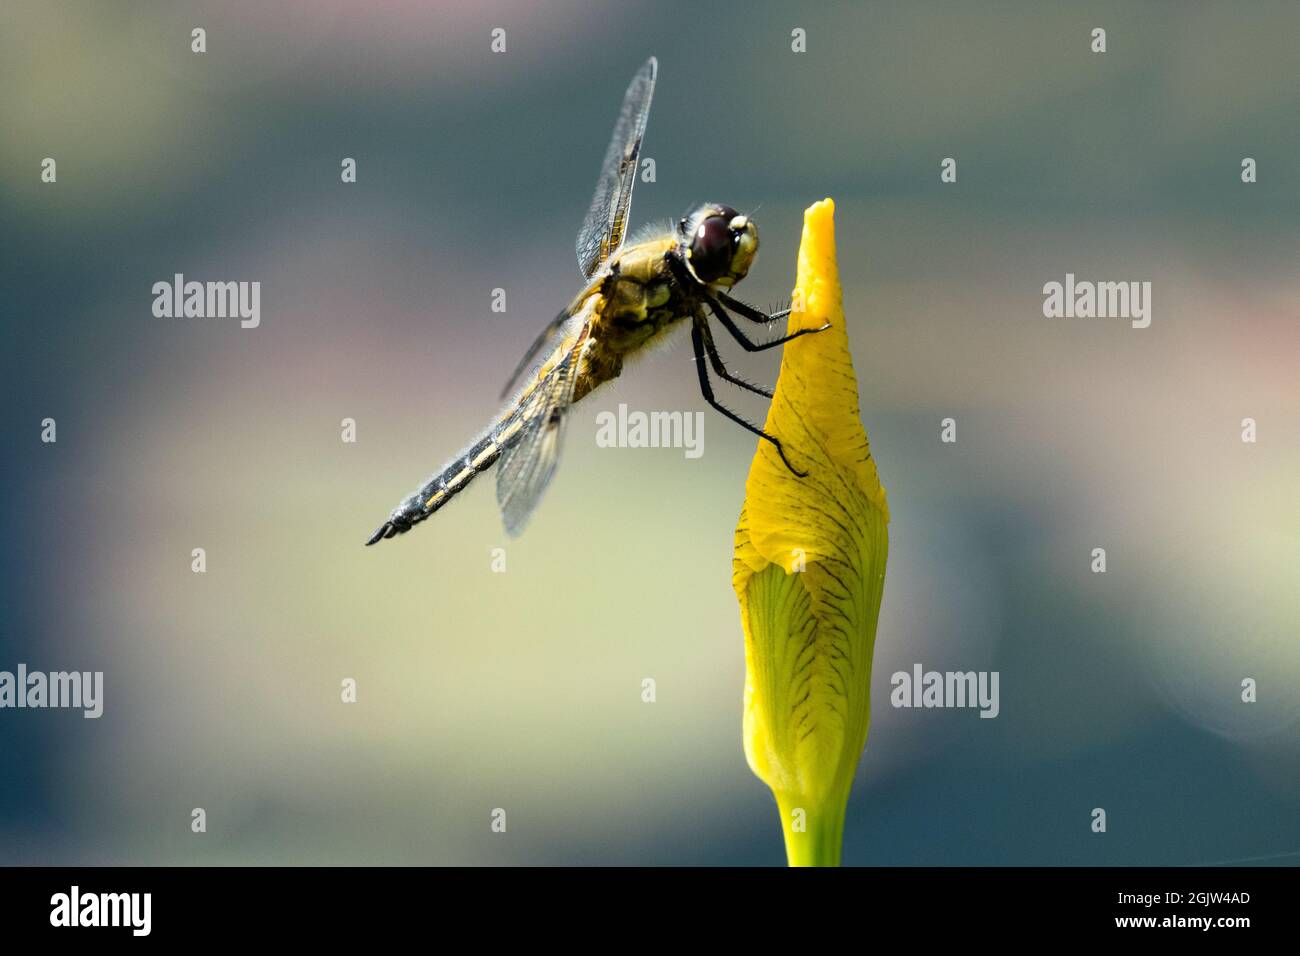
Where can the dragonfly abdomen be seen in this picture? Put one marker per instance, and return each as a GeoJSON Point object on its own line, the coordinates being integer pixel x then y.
{"type": "Point", "coordinates": [446, 483]}
{"type": "Point", "coordinates": [481, 454]}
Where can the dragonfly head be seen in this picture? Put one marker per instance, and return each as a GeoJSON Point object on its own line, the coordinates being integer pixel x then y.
{"type": "Point", "coordinates": [718, 244]}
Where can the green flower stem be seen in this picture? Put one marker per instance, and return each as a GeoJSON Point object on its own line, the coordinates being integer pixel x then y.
{"type": "Point", "coordinates": [822, 836]}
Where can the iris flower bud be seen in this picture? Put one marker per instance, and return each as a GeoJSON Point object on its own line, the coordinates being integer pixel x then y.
{"type": "Point", "coordinates": [809, 569]}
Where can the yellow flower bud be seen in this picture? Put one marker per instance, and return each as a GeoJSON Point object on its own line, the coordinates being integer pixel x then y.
{"type": "Point", "coordinates": [809, 569]}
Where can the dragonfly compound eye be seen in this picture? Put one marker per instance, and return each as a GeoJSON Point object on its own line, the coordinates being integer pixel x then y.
{"type": "Point", "coordinates": [711, 248]}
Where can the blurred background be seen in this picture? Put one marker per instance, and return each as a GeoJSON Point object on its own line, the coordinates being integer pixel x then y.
{"type": "Point", "coordinates": [522, 690]}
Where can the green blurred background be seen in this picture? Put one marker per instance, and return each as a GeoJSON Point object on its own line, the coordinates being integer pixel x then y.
{"type": "Point", "coordinates": [523, 690]}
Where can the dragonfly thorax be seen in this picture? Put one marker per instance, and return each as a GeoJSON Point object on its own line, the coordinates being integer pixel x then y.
{"type": "Point", "coordinates": [718, 244]}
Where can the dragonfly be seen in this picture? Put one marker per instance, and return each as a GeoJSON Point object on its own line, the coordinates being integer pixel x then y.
{"type": "Point", "coordinates": [633, 295]}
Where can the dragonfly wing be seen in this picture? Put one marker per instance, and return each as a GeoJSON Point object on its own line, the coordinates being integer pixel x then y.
{"type": "Point", "coordinates": [533, 435]}
{"type": "Point", "coordinates": [603, 229]}
{"type": "Point", "coordinates": [549, 335]}
{"type": "Point", "coordinates": [534, 350]}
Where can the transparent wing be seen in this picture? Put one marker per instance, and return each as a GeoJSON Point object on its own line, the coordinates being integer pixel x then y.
{"type": "Point", "coordinates": [602, 231]}
{"type": "Point", "coordinates": [533, 434]}
{"type": "Point", "coordinates": [547, 336]}
{"type": "Point", "coordinates": [534, 350]}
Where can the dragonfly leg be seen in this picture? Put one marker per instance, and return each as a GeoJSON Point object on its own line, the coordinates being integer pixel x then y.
{"type": "Point", "coordinates": [745, 342]}
{"type": "Point", "coordinates": [720, 369]}
{"type": "Point", "coordinates": [697, 339]}
{"type": "Point", "coordinates": [751, 313]}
